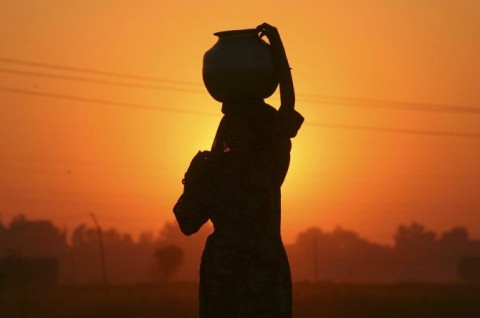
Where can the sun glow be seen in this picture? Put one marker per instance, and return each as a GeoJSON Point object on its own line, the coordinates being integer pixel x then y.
{"type": "Point", "coordinates": [63, 157]}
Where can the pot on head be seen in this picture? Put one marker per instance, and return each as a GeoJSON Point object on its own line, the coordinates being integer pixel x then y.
{"type": "Point", "coordinates": [239, 67]}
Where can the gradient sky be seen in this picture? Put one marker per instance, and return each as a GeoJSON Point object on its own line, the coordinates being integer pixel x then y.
{"type": "Point", "coordinates": [401, 65]}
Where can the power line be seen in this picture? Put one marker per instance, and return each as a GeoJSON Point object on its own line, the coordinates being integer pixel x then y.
{"type": "Point", "coordinates": [94, 71]}
{"type": "Point", "coordinates": [194, 112]}
{"type": "Point", "coordinates": [384, 104]}
{"type": "Point", "coordinates": [101, 81]}
{"type": "Point", "coordinates": [104, 102]}
{"type": "Point", "coordinates": [328, 100]}
{"type": "Point", "coordinates": [306, 97]}
{"type": "Point", "coordinates": [76, 162]}
{"type": "Point", "coordinates": [398, 130]}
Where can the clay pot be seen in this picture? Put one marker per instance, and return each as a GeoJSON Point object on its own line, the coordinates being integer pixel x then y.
{"type": "Point", "coordinates": [239, 67]}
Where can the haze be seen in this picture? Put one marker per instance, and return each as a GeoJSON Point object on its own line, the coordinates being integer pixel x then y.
{"type": "Point", "coordinates": [389, 90]}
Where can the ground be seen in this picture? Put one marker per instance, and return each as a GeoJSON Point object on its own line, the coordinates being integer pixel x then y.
{"type": "Point", "coordinates": [179, 300]}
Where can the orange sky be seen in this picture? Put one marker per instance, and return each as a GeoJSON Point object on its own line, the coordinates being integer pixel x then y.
{"type": "Point", "coordinates": [62, 159]}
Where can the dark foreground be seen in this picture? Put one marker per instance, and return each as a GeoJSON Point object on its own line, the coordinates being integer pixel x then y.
{"type": "Point", "coordinates": [179, 300]}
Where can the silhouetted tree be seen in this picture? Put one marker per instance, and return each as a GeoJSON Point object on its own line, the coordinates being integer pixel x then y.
{"type": "Point", "coordinates": [31, 241]}
{"type": "Point", "coordinates": [168, 260]}
{"type": "Point", "coordinates": [456, 236]}
{"type": "Point", "coordinates": [339, 255]}
{"type": "Point", "coordinates": [414, 239]}
{"type": "Point", "coordinates": [35, 237]}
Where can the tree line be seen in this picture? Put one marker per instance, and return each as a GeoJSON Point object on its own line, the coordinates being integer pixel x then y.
{"type": "Point", "coordinates": [417, 255]}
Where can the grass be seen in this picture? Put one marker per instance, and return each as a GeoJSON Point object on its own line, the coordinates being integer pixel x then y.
{"type": "Point", "coordinates": [179, 300]}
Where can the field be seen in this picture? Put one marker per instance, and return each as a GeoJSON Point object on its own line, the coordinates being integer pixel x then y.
{"type": "Point", "coordinates": [179, 300]}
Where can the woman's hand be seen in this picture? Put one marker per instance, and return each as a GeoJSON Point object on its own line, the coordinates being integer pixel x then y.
{"type": "Point", "coordinates": [287, 93]}
{"type": "Point", "coordinates": [271, 33]}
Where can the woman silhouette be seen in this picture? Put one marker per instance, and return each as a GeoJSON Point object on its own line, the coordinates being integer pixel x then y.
{"type": "Point", "coordinates": [244, 270]}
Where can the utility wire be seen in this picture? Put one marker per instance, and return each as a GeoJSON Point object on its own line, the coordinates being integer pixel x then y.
{"type": "Point", "coordinates": [306, 97]}
{"type": "Point", "coordinates": [94, 71]}
{"type": "Point", "coordinates": [104, 102]}
{"type": "Point", "coordinates": [384, 104]}
{"type": "Point", "coordinates": [398, 130]}
{"type": "Point", "coordinates": [176, 110]}
{"type": "Point", "coordinates": [101, 81]}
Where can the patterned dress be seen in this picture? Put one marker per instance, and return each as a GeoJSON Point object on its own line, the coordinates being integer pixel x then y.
{"type": "Point", "coordinates": [244, 269]}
